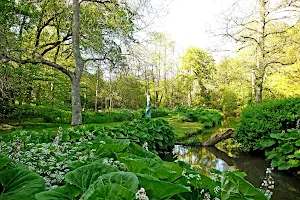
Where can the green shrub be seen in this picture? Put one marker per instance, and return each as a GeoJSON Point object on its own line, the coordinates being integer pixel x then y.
{"type": "Point", "coordinates": [208, 117]}
{"type": "Point", "coordinates": [110, 116]}
{"type": "Point", "coordinates": [159, 113]}
{"type": "Point", "coordinates": [271, 117]}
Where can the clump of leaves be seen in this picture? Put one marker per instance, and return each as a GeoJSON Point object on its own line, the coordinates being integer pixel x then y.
{"type": "Point", "coordinates": [283, 149]}
{"type": "Point", "coordinates": [156, 132]}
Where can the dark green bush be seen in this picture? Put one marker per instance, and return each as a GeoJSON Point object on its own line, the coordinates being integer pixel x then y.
{"type": "Point", "coordinates": [208, 117]}
{"type": "Point", "coordinates": [159, 113]}
{"type": "Point", "coordinates": [271, 117]}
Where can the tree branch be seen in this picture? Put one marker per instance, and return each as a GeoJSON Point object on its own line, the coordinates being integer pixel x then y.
{"type": "Point", "coordinates": [54, 44]}
{"type": "Point", "coordinates": [38, 61]}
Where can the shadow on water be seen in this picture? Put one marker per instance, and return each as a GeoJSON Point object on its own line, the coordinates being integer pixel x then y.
{"type": "Point", "coordinates": [287, 186]}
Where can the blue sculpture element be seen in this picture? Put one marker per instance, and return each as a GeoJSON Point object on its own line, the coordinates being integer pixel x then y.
{"type": "Point", "coordinates": [148, 109]}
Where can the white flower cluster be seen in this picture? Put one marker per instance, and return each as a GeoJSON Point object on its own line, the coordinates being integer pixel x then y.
{"type": "Point", "coordinates": [141, 195]}
{"type": "Point", "coordinates": [268, 183]}
{"type": "Point", "coordinates": [206, 196]}
{"type": "Point", "coordinates": [50, 160]}
{"type": "Point", "coordinates": [115, 163]}
{"type": "Point", "coordinates": [191, 176]}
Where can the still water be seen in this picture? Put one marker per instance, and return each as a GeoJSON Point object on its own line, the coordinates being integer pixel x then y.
{"type": "Point", "coordinates": [287, 186]}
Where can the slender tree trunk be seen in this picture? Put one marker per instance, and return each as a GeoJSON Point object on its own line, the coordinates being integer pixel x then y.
{"type": "Point", "coordinates": [261, 52]}
{"type": "Point", "coordinates": [75, 78]}
{"type": "Point", "coordinates": [259, 90]}
{"type": "Point", "coordinates": [96, 96]}
{"type": "Point", "coordinates": [76, 103]}
{"type": "Point", "coordinates": [253, 84]}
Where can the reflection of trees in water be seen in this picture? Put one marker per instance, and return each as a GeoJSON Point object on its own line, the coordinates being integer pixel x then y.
{"type": "Point", "coordinates": [286, 185]}
{"type": "Point", "coordinates": [200, 158]}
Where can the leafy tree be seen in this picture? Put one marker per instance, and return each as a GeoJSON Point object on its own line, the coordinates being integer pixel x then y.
{"type": "Point", "coordinates": [59, 37]}
{"type": "Point", "coordinates": [197, 65]}
{"type": "Point", "coordinates": [257, 28]}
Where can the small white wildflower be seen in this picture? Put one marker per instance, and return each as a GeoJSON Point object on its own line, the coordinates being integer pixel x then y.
{"type": "Point", "coordinates": [141, 195]}
{"type": "Point", "coordinates": [217, 189]}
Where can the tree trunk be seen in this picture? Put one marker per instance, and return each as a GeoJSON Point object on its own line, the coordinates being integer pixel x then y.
{"type": "Point", "coordinates": [219, 137]}
{"type": "Point", "coordinates": [253, 85]}
{"type": "Point", "coordinates": [76, 104]}
{"type": "Point", "coordinates": [259, 89]}
{"type": "Point", "coordinates": [96, 95]}
{"type": "Point", "coordinates": [261, 52]}
{"type": "Point", "coordinates": [75, 78]}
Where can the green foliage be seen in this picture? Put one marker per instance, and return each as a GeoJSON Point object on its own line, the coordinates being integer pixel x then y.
{"type": "Point", "coordinates": [116, 174]}
{"type": "Point", "coordinates": [234, 187]}
{"type": "Point", "coordinates": [18, 183]}
{"type": "Point", "coordinates": [261, 120]}
{"type": "Point", "coordinates": [282, 149]}
{"type": "Point", "coordinates": [157, 133]}
{"type": "Point", "coordinates": [159, 113]}
{"type": "Point", "coordinates": [83, 176]}
{"type": "Point", "coordinates": [208, 117]}
{"type": "Point", "coordinates": [111, 116]}
{"type": "Point", "coordinates": [52, 114]}
{"type": "Point", "coordinates": [270, 126]}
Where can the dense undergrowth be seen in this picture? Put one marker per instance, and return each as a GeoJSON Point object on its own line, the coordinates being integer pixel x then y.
{"type": "Point", "coordinates": [102, 163]}
{"type": "Point", "coordinates": [273, 127]}
{"type": "Point", "coordinates": [208, 117]}
{"type": "Point", "coordinates": [51, 114]}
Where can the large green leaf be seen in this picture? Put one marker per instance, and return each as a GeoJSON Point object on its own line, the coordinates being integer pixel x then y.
{"type": "Point", "coordinates": [234, 187]}
{"type": "Point", "coordinates": [276, 135]}
{"type": "Point", "coordinates": [110, 192]}
{"type": "Point", "coordinates": [110, 146]}
{"type": "Point", "coordinates": [160, 189]}
{"type": "Point", "coordinates": [107, 183]}
{"type": "Point", "coordinates": [156, 168]}
{"type": "Point", "coordinates": [135, 149]}
{"type": "Point", "coordinates": [66, 192]}
{"type": "Point", "coordinates": [297, 154]}
{"type": "Point", "coordinates": [4, 160]}
{"type": "Point", "coordinates": [84, 176]}
{"type": "Point", "coordinates": [264, 143]}
{"type": "Point", "coordinates": [287, 148]}
{"type": "Point", "coordinates": [20, 184]}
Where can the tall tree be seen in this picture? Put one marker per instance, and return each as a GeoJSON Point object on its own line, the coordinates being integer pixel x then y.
{"type": "Point", "coordinates": [54, 35]}
{"type": "Point", "coordinates": [256, 28]}
{"type": "Point", "coordinates": [197, 65]}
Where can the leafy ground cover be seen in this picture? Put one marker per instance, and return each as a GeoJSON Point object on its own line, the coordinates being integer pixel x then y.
{"type": "Point", "coordinates": [273, 127]}
{"type": "Point", "coordinates": [86, 163]}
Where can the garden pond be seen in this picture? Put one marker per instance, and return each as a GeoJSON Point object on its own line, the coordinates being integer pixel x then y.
{"type": "Point", "coordinates": [287, 186]}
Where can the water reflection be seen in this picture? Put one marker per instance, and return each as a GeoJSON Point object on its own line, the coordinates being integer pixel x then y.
{"type": "Point", "coordinates": [287, 187]}
{"type": "Point", "coordinates": [200, 158]}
